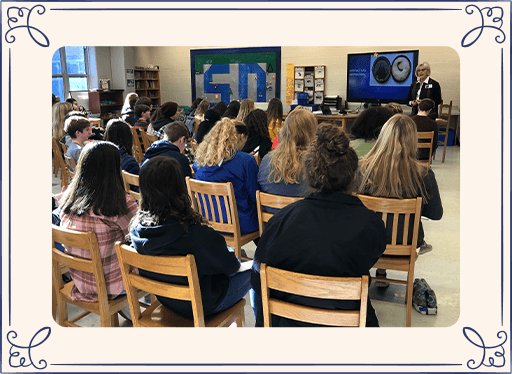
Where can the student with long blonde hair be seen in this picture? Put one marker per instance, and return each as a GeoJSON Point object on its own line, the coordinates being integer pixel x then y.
{"type": "Point", "coordinates": [219, 159]}
{"type": "Point", "coordinates": [246, 107]}
{"type": "Point", "coordinates": [59, 116]}
{"type": "Point", "coordinates": [391, 169]}
{"type": "Point", "coordinates": [281, 170]}
{"type": "Point", "coordinates": [203, 106]}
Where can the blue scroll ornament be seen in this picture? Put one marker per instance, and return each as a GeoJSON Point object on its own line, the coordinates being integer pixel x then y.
{"type": "Point", "coordinates": [36, 341]}
{"type": "Point", "coordinates": [472, 363]}
{"type": "Point", "coordinates": [21, 13]}
{"type": "Point", "coordinates": [480, 29]}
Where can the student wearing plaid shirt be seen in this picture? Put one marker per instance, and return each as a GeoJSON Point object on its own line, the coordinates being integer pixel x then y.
{"type": "Point", "coordinates": [96, 201]}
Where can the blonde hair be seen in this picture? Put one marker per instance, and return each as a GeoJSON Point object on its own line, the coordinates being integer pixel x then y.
{"type": "Point", "coordinates": [391, 169]}
{"type": "Point", "coordinates": [423, 65]}
{"type": "Point", "coordinates": [286, 161]}
{"type": "Point", "coordinates": [246, 106]}
{"type": "Point", "coordinates": [219, 145]}
{"type": "Point", "coordinates": [203, 106]}
{"type": "Point", "coordinates": [59, 113]}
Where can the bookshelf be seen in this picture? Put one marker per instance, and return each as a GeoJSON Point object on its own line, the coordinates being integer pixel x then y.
{"type": "Point", "coordinates": [147, 83]}
{"type": "Point", "coordinates": [107, 104]}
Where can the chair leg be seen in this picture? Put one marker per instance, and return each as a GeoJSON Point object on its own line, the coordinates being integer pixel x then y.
{"type": "Point", "coordinates": [240, 321]}
{"type": "Point", "coordinates": [408, 295]}
{"type": "Point", "coordinates": [444, 148]}
{"type": "Point", "coordinates": [114, 320]}
{"type": "Point", "coordinates": [62, 308]}
{"type": "Point", "coordinates": [54, 304]}
{"type": "Point", "coordinates": [106, 320]}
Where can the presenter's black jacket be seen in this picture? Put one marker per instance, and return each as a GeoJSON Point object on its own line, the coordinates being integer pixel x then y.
{"type": "Point", "coordinates": [429, 90]}
{"type": "Point", "coordinates": [325, 234]}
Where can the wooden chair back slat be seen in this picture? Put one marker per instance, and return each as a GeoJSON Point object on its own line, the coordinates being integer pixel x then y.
{"type": "Point", "coordinates": [266, 200]}
{"type": "Point", "coordinates": [131, 179]}
{"type": "Point", "coordinates": [170, 265]}
{"type": "Point", "coordinates": [429, 136]}
{"type": "Point", "coordinates": [333, 288]}
{"type": "Point", "coordinates": [400, 257]}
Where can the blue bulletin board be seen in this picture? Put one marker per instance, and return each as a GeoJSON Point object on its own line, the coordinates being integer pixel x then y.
{"type": "Point", "coordinates": [236, 74]}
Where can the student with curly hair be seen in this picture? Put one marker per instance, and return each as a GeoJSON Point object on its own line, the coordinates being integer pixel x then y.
{"type": "Point", "coordinates": [281, 171]}
{"type": "Point", "coordinates": [366, 128]}
{"type": "Point", "coordinates": [330, 232]}
{"type": "Point", "coordinates": [218, 159]}
{"type": "Point", "coordinates": [166, 225]}
{"type": "Point", "coordinates": [259, 140]}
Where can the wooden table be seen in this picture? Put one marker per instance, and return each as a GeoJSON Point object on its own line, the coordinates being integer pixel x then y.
{"type": "Point", "coordinates": [341, 118]}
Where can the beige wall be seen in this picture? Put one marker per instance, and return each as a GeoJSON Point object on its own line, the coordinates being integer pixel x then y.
{"type": "Point", "coordinates": [174, 65]}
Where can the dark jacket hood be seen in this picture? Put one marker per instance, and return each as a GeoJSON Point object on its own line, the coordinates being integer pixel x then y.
{"type": "Point", "coordinates": [151, 240]}
{"type": "Point", "coordinates": [159, 147]}
{"type": "Point", "coordinates": [161, 122]}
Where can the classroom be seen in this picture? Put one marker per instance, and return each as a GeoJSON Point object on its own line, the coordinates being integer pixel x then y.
{"type": "Point", "coordinates": [97, 80]}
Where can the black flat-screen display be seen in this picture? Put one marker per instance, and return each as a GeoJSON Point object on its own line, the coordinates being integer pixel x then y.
{"type": "Point", "coordinates": [381, 76]}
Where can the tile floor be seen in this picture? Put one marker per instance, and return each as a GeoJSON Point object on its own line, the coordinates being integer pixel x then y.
{"type": "Point", "coordinates": [440, 268]}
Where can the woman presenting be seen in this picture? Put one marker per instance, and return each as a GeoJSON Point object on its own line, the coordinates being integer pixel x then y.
{"type": "Point", "coordinates": [424, 87]}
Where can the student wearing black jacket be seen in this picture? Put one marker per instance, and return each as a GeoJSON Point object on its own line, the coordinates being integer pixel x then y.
{"type": "Point", "coordinates": [329, 233]}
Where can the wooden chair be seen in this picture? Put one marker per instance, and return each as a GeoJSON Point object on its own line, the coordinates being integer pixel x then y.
{"type": "Point", "coordinates": [429, 136]}
{"type": "Point", "coordinates": [131, 179]}
{"type": "Point", "coordinates": [333, 288]}
{"type": "Point", "coordinates": [257, 158]}
{"type": "Point", "coordinates": [152, 138]}
{"type": "Point", "coordinates": [208, 194]}
{"type": "Point", "coordinates": [106, 309]}
{"type": "Point", "coordinates": [157, 315]}
{"type": "Point", "coordinates": [444, 120]}
{"type": "Point", "coordinates": [266, 200]}
{"type": "Point", "coordinates": [141, 143]}
{"type": "Point", "coordinates": [399, 257]}
{"type": "Point", "coordinates": [60, 163]}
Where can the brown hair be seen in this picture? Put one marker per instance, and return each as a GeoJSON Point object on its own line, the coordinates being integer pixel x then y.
{"type": "Point", "coordinates": [74, 124]}
{"type": "Point", "coordinates": [330, 162]}
{"type": "Point", "coordinates": [59, 114]}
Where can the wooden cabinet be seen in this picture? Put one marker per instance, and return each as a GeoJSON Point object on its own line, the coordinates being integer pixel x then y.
{"type": "Point", "coordinates": [147, 83]}
{"type": "Point", "coordinates": [107, 103]}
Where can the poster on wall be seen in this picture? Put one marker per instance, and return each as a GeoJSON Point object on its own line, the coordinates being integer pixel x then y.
{"type": "Point", "coordinates": [236, 74]}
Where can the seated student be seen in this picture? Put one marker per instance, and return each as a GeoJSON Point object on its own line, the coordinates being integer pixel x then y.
{"type": "Point", "coordinates": [210, 119]}
{"type": "Point", "coordinates": [96, 201]}
{"type": "Point", "coordinates": [167, 225]}
{"type": "Point", "coordinates": [246, 106]}
{"type": "Point", "coordinates": [119, 133]}
{"type": "Point", "coordinates": [127, 105]}
{"type": "Point", "coordinates": [166, 114]}
{"type": "Point", "coordinates": [142, 112]}
{"type": "Point", "coordinates": [232, 110]}
{"type": "Point", "coordinates": [220, 107]}
{"type": "Point", "coordinates": [194, 105]}
{"type": "Point", "coordinates": [274, 117]}
{"type": "Point", "coordinates": [175, 137]}
{"type": "Point", "coordinates": [55, 100]}
{"type": "Point", "coordinates": [219, 160]}
{"type": "Point", "coordinates": [203, 106]}
{"type": "Point", "coordinates": [60, 110]}
{"type": "Point", "coordinates": [329, 233]}
{"type": "Point", "coordinates": [281, 171]}
{"type": "Point", "coordinates": [73, 102]}
{"type": "Point", "coordinates": [391, 169]}
{"type": "Point", "coordinates": [366, 128]}
{"type": "Point", "coordinates": [259, 140]}
{"type": "Point", "coordinates": [395, 108]}
{"type": "Point", "coordinates": [425, 123]}
{"type": "Point", "coordinates": [79, 129]}
{"type": "Point", "coordinates": [144, 100]}
{"type": "Point", "coordinates": [129, 115]}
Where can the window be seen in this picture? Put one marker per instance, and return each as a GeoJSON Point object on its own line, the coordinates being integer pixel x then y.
{"type": "Point", "coordinates": [69, 71]}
